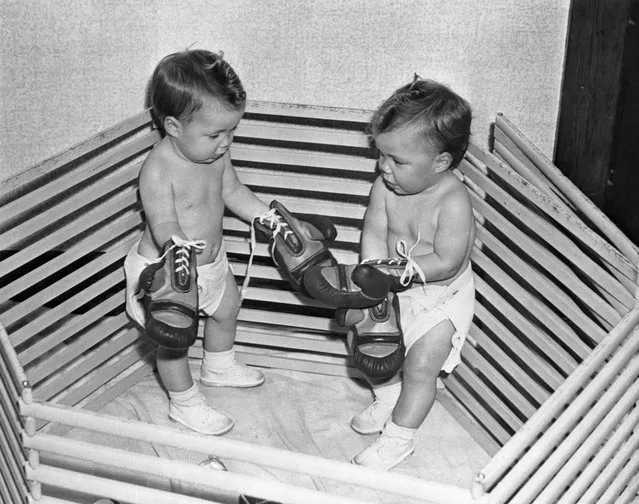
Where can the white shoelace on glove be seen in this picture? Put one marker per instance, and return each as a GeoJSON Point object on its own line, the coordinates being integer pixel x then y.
{"type": "Point", "coordinates": [184, 251]}
{"type": "Point", "coordinates": [184, 258]}
{"type": "Point", "coordinates": [412, 268]}
{"type": "Point", "coordinates": [405, 254]}
{"type": "Point", "coordinates": [278, 226]}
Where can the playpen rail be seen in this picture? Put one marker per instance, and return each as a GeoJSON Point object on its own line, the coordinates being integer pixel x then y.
{"type": "Point", "coordinates": [559, 214]}
{"type": "Point", "coordinates": [588, 473]}
{"type": "Point", "coordinates": [537, 423]}
{"type": "Point", "coordinates": [571, 465]}
{"type": "Point", "coordinates": [263, 455]}
{"type": "Point", "coordinates": [266, 130]}
{"type": "Point", "coordinates": [16, 374]}
{"type": "Point", "coordinates": [183, 471]}
{"type": "Point", "coordinates": [95, 485]}
{"type": "Point", "coordinates": [576, 197]}
{"type": "Point", "coordinates": [622, 288]}
{"type": "Point", "coordinates": [615, 400]}
{"type": "Point", "coordinates": [339, 114]}
{"type": "Point", "coordinates": [565, 276]}
{"type": "Point", "coordinates": [50, 166]}
{"type": "Point", "coordinates": [13, 385]}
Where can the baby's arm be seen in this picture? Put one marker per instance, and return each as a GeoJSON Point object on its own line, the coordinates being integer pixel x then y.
{"type": "Point", "coordinates": [453, 231]}
{"type": "Point", "coordinates": [237, 197]}
{"type": "Point", "coordinates": [375, 229]}
{"type": "Point", "coordinates": [156, 193]}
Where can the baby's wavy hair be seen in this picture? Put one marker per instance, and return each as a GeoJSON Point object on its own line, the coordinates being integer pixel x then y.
{"type": "Point", "coordinates": [182, 80]}
{"type": "Point", "coordinates": [443, 116]}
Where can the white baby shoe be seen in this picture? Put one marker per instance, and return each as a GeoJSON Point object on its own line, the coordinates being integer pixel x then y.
{"type": "Point", "coordinates": [394, 445]}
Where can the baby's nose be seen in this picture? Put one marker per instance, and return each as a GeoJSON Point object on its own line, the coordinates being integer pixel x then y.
{"type": "Point", "coordinates": [384, 167]}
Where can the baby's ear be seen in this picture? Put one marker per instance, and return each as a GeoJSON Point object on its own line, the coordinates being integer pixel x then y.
{"type": "Point", "coordinates": [171, 126]}
{"type": "Point", "coordinates": [443, 162]}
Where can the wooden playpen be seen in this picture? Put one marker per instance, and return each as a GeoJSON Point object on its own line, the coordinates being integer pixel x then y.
{"type": "Point", "coordinates": [548, 383]}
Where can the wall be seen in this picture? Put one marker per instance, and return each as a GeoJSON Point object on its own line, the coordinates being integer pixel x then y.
{"type": "Point", "coordinates": [70, 68]}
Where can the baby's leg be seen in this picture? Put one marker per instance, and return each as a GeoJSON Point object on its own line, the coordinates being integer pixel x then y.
{"type": "Point", "coordinates": [419, 387]}
{"type": "Point", "coordinates": [219, 367]}
{"type": "Point", "coordinates": [421, 369]}
{"type": "Point", "coordinates": [219, 329]}
{"type": "Point", "coordinates": [187, 405]}
{"type": "Point", "coordinates": [173, 368]}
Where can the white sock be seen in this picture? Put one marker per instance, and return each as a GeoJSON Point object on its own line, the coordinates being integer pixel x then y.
{"type": "Point", "coordinates": [218, 360]}
{"type": "Point", "coordinates": [391, 429]}
{"type": "Point", "coordinates": [188, 397]}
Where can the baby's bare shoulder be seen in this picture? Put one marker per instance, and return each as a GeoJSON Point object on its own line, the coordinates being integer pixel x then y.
{"type": "Point", "coordinates": [454, 192]}
{"type": "Point", "coordinates": [158, 162]}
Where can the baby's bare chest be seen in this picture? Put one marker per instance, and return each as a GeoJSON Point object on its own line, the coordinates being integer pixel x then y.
{"type": "Point", "coordinates": [197, 192]}
{"type": "Point", "coordinates": [411, 220]}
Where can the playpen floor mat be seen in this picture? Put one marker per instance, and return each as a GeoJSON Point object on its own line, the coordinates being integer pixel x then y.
{"type": "Point", "coordinates": [305, 413]}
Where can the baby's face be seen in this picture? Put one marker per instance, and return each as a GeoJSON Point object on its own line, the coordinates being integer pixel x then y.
{"type": "Point", "coordinates": [209, 133]}
{"type": "Point", "coordinates": [407, 163]}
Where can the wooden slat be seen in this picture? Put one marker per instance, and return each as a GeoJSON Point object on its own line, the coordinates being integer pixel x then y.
{"type": "Point", "coordinates": [506, 150]}
{"type": "Point", "coordinates": [291, 342]}
{"type": "Point", "coordinates": [14, 490]}
{"type": "Point", "coordinates": [330, 209]}
{"type": "Point", "coordinates": [608, 229]}
{"type": "Point", "coordinates": [67, 352]}
{"type": "Point", "coordinates": [11, 456]}
{"type": "Point", "coordinates": [540, 367]}
{"type": "Point", "coordinates": [552, 236]}
{"type": "Point", "coordinates": [10, 427]}
{"type": "Point", "coordinates": [566, 219]}
{"type": "Point", "coordinates": [48, 167]}
{"type": "Point", "coordinates": [269, 317]}
{"type": "Point", "coordinates": [53, 241]}
{"type": "Point", "coordinates": [551, 264]}
{"type": "Point", "coordinates": [610, 423]}
{"type": "Point", "coordinates": [468, 422]}
{"type": "Point", "coordinates": [237, 245]}
{"type": "Point", "coordinates": [303, 182]}
{"type": "Point", "coordinates": [73, 369]}
{"type": "Point", "coordinates": [287, 339]}
{"type": "Point", "coordinates": [481, 367]}
{"type": "Point", "coordinates": [241, 153]}
{"type": "Point", "coordinates": [90, 244]}
{"type": "Point", "coordinates": [540, 301]}
{"type": "Point", "coordinates": [569, 190]}
{"type": "Point", "coordinates": [281, 297]}
{"type": "Point", "coordinates": [69, 329]}
{"type": "Point", "coordinates": [345, 234]}
{"type": "Point", "coordinates": [292, 110]}
{"type": "Point", "coordinates": [548, 291]}
{"type": "Point", "coordinates": [556, 297]}
{"type": "Point", "coordinates": [60, 211]}
{"type": "Point", "coordinates": [96, 368]}
{"type": "Point", "coordinates": [66, 284]}
{"type": "Point", "coordinates": [116, 387]}
{"type": "Point", "coordinates": [536, 335]}
{"type": "Point", "coordinates": [602, 457]}
{"type": "Point", "coordinates": [53, 189]}
{"type": "Point", "coordinates": [478, 411]}
{"type": "Point", "coordinates": [293, 361]}
{"type": "Point", "coordinates": [512, 369]}
{"type": "Point", "coordinates": [480, 389]}
{"type": "Point", "coordinates": [65, 308]}
{"type": "Point", "coordinates": [278, 132]}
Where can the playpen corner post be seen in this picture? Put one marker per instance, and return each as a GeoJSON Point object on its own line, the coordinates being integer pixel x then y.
{"type": "Point", "coordinates": [35, 489]}
{"type": "Point", "coordinates": [477, 489]}
{"type": "Point", "coordinates": [27, 392]}
{"type": "Point", "coordinates": [32, 462]}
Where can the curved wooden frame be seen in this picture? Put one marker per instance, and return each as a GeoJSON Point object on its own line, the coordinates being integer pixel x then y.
{"type": "Point", "coordinates": [547, 383]}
